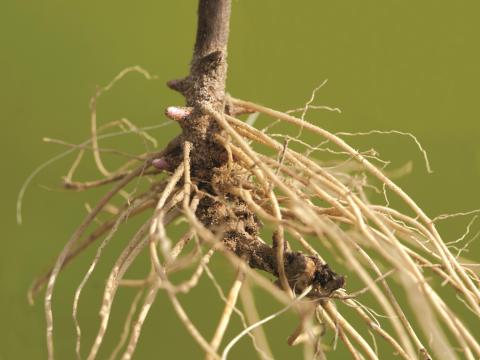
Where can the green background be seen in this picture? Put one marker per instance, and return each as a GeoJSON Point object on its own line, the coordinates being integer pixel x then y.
{"type": "Point", "coordinates": [406, 65]}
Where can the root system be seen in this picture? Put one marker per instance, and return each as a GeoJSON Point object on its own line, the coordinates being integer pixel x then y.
{"type": "Point", "coordinates": [275, 214]}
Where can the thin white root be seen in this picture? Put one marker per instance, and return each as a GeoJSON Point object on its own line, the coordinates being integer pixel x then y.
{"type": "Point", "coordinates": [227, 311]}
{"type": "Point", "coordinates": [237, 338]}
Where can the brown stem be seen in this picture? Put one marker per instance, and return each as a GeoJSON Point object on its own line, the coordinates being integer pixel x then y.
{"type": "Point", "coordinates": [205, 86]}
{"type": "Point", "coordinates": [208, 69]}
{"type": "Point", "coordinates": [209, 63]}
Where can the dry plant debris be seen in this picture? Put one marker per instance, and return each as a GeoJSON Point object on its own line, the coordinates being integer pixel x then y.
{"type": "Point", "coordinates": [218, 178]}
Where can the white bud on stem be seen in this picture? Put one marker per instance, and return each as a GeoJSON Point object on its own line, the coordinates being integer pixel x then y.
{"type": "Point", "coordinates": [178, 113]}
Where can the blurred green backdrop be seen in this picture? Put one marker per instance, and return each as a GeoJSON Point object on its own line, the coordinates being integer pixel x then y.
{"type": "Point", "coordinates": [406, 65]}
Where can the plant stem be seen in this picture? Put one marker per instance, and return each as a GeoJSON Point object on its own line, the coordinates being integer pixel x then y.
{"type": "Point", "coordinates": [205, 86]}
{"type": "Point", "coordinates": [211, 49]}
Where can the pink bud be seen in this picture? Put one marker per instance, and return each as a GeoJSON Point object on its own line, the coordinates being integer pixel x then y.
{"type": "Point", "coordinates": [160, 163]}
{"type": "Point", "coordinates": [178, 113]}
